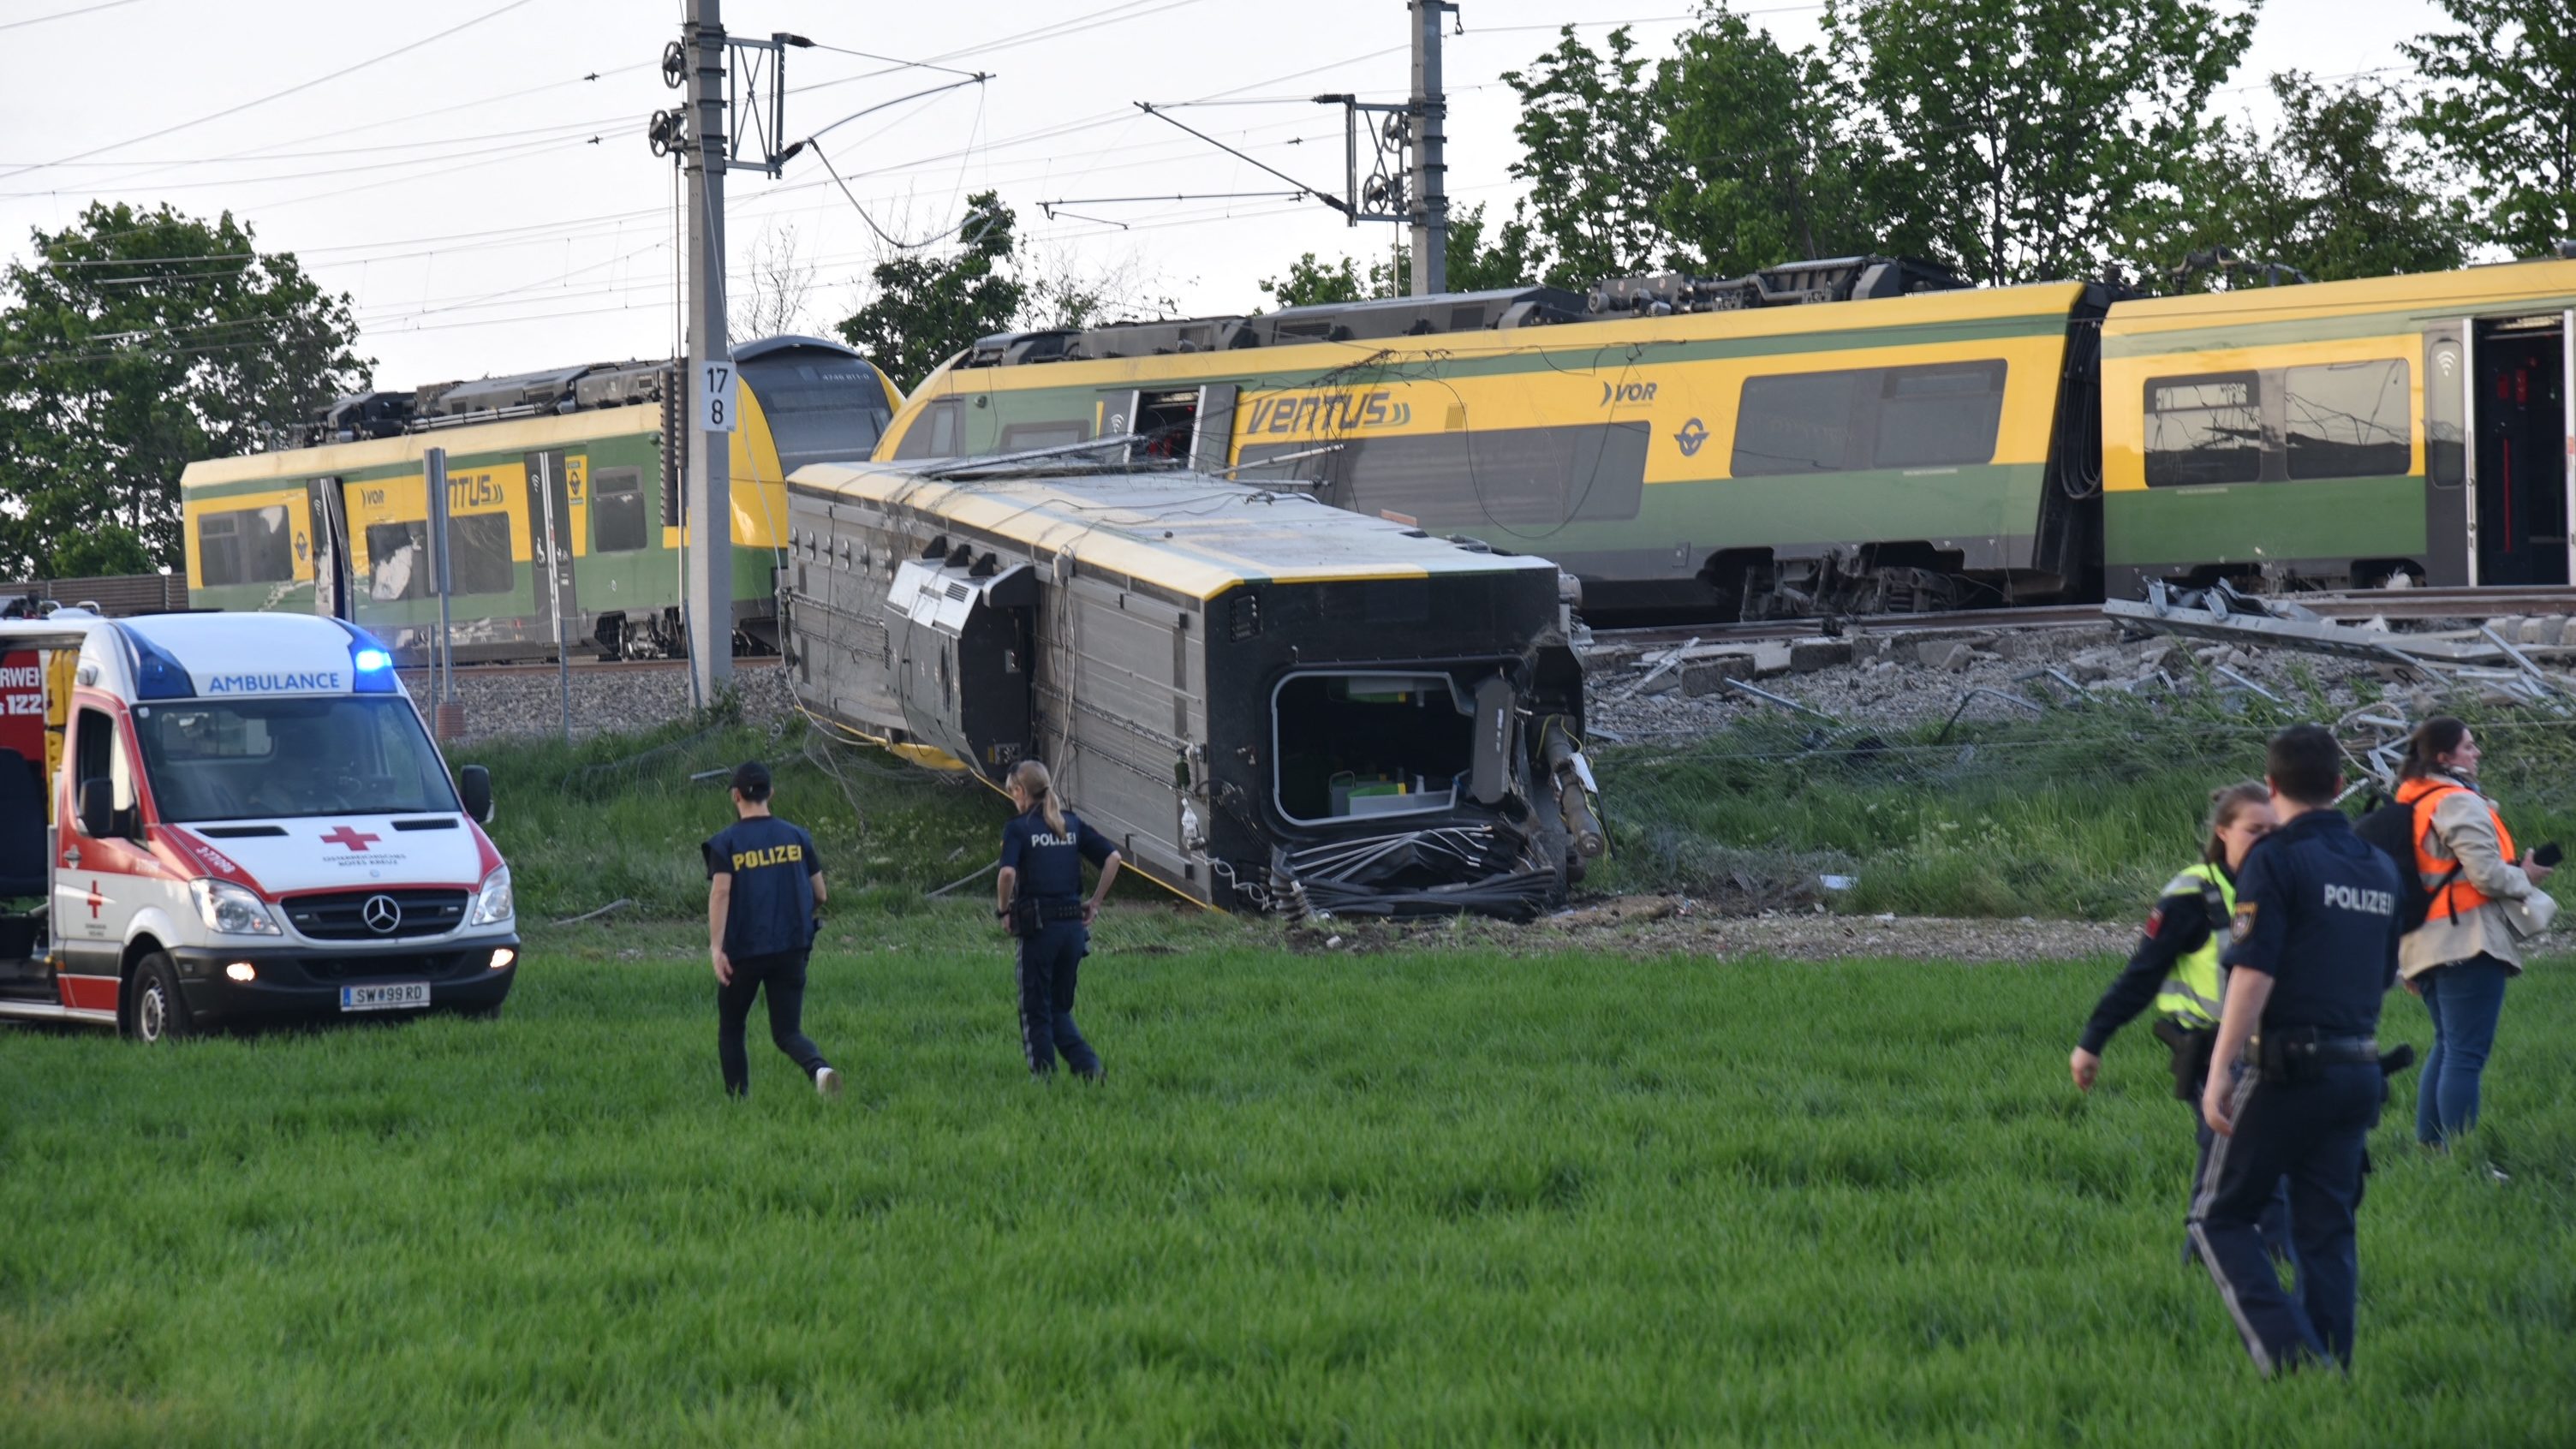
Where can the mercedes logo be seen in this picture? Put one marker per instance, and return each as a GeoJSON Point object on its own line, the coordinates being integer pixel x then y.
{"type": "Point", "coordinates": [381, 913]}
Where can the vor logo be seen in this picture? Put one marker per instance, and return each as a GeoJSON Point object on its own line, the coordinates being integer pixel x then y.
{"type": "Point", "coordinates": [1692, 435]}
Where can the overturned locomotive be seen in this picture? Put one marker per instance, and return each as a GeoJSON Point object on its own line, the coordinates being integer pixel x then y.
{"type": "Point", "coordinates": [1267, 703]}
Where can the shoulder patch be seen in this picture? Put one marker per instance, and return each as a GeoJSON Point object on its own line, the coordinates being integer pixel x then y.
{"type": "Point", "coordinates": [2155, 919]}
{"type": "Point", "coordinates": [2243, 926]}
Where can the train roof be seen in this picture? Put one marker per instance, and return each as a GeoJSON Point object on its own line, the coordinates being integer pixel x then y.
{"type": "Point", "coordinates": [2315, 307]}
{"type": "Point", "coordinates": [521, 434]}
{"type": "Point", "coordinates": [1137, 350]}
{"type": "Point", "coordinates": [1192, 533]}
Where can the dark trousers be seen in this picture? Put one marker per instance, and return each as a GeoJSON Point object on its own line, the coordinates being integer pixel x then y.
{"type": "Point", "coordinates": [2314, 1134]}
{"type": "Point", "coordinates": [2274, 1225]}
{"type": "Point", "coordinates": [1049, 963]}
{"type": "Point", "coordinates": [783, 975]}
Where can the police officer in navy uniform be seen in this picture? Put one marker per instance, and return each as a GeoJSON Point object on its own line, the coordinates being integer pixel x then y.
{"type": "Point", "coordinates": [764, 890]}
{"type": "Point", "coordinates": [2313, 954]}
{"type": "Point", "coordinates": [1040, 898]}
{"type": "Point", "coordinates": [2176, 968]}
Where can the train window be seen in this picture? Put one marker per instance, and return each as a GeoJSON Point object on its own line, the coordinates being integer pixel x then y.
{"type": "Point", "coordinates": [246, 546]}
{"type": "Point", "coordinates": [483, 562]}
{"type": "Point", "coordinates": [1808, 422]}
{"type": "Point", "coordinates": [1353, 745]}
{"type": "Point", "coordinates": [2349, 420]}
{"type": "Point", "coordinates": [1537, 477]}
{"type": "Point", "coordinates": [819, 411]}
{"type": "Point", "coordinates": [617, 511]}
{"type": "Point", "coordinates": [2205, 429]}
{"type": "Point", "coordinates": [939, 432]}
{"type": "Point", "coordinates": [397, 561]}
{"type": "Point", "coordinates": [1027, 437]}
{"type": "Point", "coordinates": [1934, 417]}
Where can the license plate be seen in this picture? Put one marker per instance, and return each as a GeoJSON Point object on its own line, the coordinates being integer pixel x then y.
{"type": "Point", "coordinates": [395, 996]}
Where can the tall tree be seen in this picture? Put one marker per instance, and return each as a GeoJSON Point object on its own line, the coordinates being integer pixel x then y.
{"type": "Point", "coordinates": [1768, 162]}
{"type": "Point", "coordinates": [1311, 282]}
{"type": "Point", "coordinates": [1064, 291]}
{"type": "Point", "coordinates": [2507, 109]}
{"type": "Point", "coordinates": [133, 343]}
{"type": "Point", "coordinates": [926, 308]}
{"type": "Point", "coordinates": [781, 284]}
{"type": "Point", "coordinates": [1475, 265]}
{"type": "Point", "coordinates": [2339, 188]}
{"type": "Point", "coordinates": [2037, 123]}
{"type": "Point", "coordinates": [1593, 152]}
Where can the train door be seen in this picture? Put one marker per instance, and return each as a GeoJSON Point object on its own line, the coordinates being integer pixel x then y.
{"type": "Point", "coordinates": [1194, 426]}
{"type": "Point", "coordinates": [2518, 408]}
{"type": "Point", "coordinates": [330, 548]}
{"type": "Point", "coordinates": [550, 548]}
{"type": "Point", "coordinates": [2450, 507]}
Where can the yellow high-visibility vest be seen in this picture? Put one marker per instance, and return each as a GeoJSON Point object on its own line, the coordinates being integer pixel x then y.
{"type": "Point", "coordinates": [2191, 994]}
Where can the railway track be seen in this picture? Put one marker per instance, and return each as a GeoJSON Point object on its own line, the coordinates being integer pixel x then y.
{"type": "Point", "coordinates": [415, 672]}
{"type": "Point", "coordinates": [2463, 603]}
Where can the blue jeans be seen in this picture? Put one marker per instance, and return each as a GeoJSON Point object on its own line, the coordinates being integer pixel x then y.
{"type": "Point", "coordinates": [2465, 999]}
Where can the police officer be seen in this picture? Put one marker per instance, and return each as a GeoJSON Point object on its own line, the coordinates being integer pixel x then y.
{"type": "Point", "coordinates": [2314, 950]}
{"type": "Point", "coordinates": [2176, 968]}
{"type": "Point", "coordinates": [764, 890]}
{"type": "Point", "coordinates": [1040, 898]}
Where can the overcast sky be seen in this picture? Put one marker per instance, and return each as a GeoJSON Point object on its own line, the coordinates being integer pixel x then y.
{"type": "Point", "coordinates": [454, 190]}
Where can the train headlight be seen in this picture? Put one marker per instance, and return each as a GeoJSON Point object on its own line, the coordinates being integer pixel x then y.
{"type": "Point", "coordinates": [492, 906]}
{"type": "Point", "coordinates": [231, 910]}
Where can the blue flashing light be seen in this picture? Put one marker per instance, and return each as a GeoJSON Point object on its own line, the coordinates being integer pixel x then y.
{"type": "Point", "coordinates": [156, 674]}
{"type": "Point", "coordinates": [371, 664]}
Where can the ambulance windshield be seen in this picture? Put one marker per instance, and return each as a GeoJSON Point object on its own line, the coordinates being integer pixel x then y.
{"type": "Point", "coordinates": [260, 759]}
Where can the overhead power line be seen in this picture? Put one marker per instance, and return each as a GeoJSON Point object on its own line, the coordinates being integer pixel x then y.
{"type": "Point", "coordinates": [66, 14]}
{"type": "Point", "coordinates": [891, 61]}
{"type": "Point", "coordinates": [300, 86]}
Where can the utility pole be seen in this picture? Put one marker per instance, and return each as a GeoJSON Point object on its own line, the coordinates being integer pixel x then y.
{"type": "Point", "coordinates": [1429, 191]}
{"type": "Point", "coordinates": [710, 383]}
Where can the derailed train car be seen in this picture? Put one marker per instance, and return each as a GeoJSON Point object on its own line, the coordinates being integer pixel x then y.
{"type": "Point", "coordinates": [1268, 703]}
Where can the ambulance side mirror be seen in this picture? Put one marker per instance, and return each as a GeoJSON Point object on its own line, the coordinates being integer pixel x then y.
{"type": "Point", "coordinates": [98, 809]}
{"type": "Point", "coordinates": [475, 784]}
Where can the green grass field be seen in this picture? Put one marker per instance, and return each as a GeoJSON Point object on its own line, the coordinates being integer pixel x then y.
{"type": "Point", "coordinates": [1431, 1196]}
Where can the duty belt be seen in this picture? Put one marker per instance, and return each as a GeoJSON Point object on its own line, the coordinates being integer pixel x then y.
{"type": "Point", "coordinates": [2319, 1049]}
{"type": "Point", "coordinates": [1053, 912]}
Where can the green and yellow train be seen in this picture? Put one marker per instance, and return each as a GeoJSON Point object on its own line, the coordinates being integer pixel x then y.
{"type": "Point", "coordinates": [581, 466]}
{"type": "Point", "coordinates": [1860, 435]}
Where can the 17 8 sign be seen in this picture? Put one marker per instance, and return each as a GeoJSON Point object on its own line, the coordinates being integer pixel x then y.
{"type": "Point", "coordinates": [715, 395]}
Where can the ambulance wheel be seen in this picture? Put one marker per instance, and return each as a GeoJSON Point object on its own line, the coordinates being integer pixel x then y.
{"type": "Point", "coordinates": [159, 1013]}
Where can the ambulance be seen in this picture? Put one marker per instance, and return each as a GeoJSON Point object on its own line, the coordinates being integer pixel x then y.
{"type": "Point", "coordinates": [231, 818]}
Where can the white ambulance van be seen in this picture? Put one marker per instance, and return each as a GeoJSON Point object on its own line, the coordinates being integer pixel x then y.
{"type": "Point", "coordinates": [233, 818]}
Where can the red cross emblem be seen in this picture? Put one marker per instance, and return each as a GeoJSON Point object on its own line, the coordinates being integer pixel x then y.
{"type": "Point", "coordinates": [95, 900]}
{"type": "Point", "coordinates": [351, 837]}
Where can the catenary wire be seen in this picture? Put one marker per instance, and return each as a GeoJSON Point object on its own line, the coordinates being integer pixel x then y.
{"type": "Point", "coordinates": [300, 86]}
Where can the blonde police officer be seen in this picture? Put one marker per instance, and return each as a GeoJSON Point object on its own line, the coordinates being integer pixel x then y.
{"type": "Point", "coordinates": [2175, 967]}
